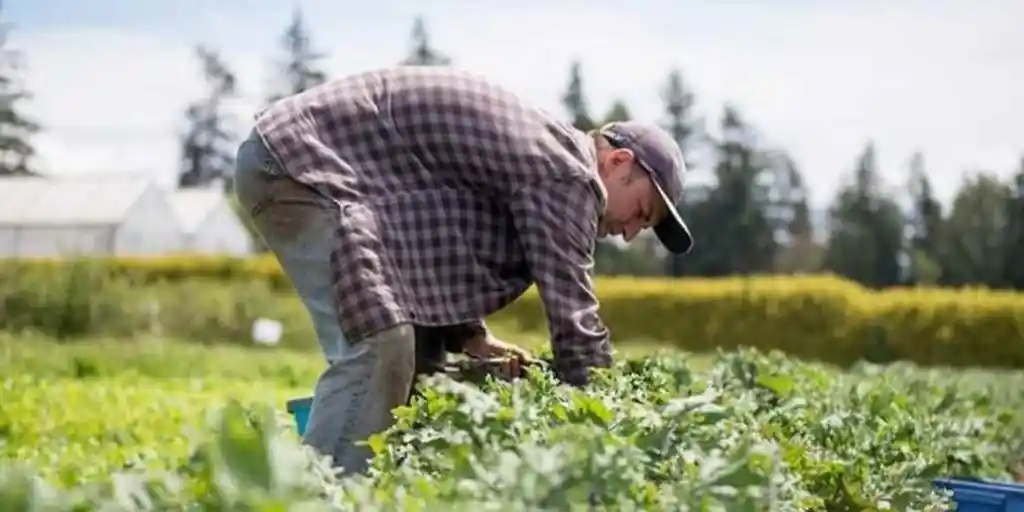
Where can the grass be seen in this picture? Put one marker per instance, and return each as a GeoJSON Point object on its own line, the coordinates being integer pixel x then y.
{"type": "Point", "coordinates": [155, 358]}
{"type": "Point", "coordinates": [78, 410]}
{"type": "Point", "coordinates": [821, 439]}
{"type": "Point", "coordinates": [75, 430]}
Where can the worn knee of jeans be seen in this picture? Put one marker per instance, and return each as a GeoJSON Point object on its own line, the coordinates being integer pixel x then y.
{"type": "Point", "coordinates": [355, 397]}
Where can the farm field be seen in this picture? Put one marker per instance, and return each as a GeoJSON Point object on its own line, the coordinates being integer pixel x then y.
{"type": "Point", "coordinates": [156, 425]}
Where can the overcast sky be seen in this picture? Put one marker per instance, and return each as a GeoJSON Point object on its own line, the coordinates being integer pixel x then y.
{"type": "Point", "coordinates": [111, 77]}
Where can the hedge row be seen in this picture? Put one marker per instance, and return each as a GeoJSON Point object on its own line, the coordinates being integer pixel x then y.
{"type": "Point", "coordinates": [824, 318]}
{"type": "Point", "coordinates": [86, 299]}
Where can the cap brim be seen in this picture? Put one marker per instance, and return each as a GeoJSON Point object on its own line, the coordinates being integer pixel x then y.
{"type": "Point", "coordinates": [672, 231]}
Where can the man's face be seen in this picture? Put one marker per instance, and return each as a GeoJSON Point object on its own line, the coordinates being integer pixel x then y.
{"type": "Point", "coordinates": [633, 202]}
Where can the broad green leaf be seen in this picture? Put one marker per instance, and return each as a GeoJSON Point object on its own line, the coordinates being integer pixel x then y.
{"type": "Point", "coordinates": [243, 449]}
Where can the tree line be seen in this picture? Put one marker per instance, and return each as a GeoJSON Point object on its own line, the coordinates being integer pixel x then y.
{"type": "Point", "coordinates": [753, 217]}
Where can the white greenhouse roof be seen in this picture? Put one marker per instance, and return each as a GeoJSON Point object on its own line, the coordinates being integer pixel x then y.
{"type": "Point", "coordinates": [192, 206]}
{"type": "Point", "coordinates": [36, 201]}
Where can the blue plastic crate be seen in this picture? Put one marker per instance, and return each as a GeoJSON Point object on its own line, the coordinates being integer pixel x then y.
{"type": "Point", "coordinates": [981, 496]}
{"type": "Point", "coordinates": [299, 409]}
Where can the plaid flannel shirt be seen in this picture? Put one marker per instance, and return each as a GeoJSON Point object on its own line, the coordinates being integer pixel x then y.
{"type": "Point", "coordinates": [454, 197]}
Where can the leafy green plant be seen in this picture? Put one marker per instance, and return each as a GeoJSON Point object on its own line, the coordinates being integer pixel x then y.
{"type": "Point", "coordinates": [751, 432]}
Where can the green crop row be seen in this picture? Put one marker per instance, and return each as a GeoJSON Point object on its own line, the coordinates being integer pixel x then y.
{"type": "Point", "coordinates": [748, 432]}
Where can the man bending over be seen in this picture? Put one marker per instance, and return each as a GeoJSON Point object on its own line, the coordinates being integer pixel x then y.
{"type": "Point", "coordinates": [426, 196]}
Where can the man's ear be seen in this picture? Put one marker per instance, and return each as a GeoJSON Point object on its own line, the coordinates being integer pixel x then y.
{"type": "Point", "coordinates": [621, 156]}
{"type": "Point", "coordinates": [620, 163]}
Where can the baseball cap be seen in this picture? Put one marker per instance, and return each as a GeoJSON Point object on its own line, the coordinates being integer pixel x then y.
{"type": "Point", "coordinates": [657, 153]}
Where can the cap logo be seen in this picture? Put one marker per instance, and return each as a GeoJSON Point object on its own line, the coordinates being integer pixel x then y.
{"type": "Point", "coordinates": [615, 136]}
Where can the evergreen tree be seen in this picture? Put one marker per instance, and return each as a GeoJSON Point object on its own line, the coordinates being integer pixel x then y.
{"type": "Point", "coordinates": [679, 118]}
{"type": "Point", "coordinates": [575, 102]}
{"type": "Point", "coordinates": [422, 53]}
{"type": "Point", "coordinates": [798, 251]}
{"type": "Point", "coordinates": [742, 199]}
{"type": "Point", "coordinates": [973, 241]}
{"type": "Point", "coordinates": [207, 155]}
{"type": "Point", "coordinates": [925, 225]}
{"type": "Point", "coordinates": [866, 229]}
{"type": "Point", "coordinates": [16, 130]}
{"type": "Point", "coordinates": [735, 213]}
{"type": "Point", "coordinates": [618, 112]}
{"type": "Point", "coordinates": [678, 101]}
{"type": "Point", "coordinates": [298, 70]}
{"type": "Point", "coordinates": [1013, 239]}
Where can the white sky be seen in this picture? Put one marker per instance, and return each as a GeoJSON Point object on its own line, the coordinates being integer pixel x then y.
{"type": "Point", "coordinates": [817, 79]}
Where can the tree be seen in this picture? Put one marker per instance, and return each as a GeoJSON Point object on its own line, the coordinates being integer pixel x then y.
{"type": "Point", "coordinates": [679, 120]}
{"type": "Point", "coordinates": [618, 112]}
{"type": "Point", "coordinates": [575, 102]}
{"type": "Point", "coordinates": [743, 199]}
{"type": "Point", "coordinates": [678, 102]}
{"type": "Point", "coordinates": [298, 68]}
{"type": "Point", "coordinates": [16, 130]}
{"type": "Point", "coordinates": [736, 209]}
{"type": "Point", "coordinates": [1013, 239]}
{"type": "Point", "coordinates": [206, 154]}
{"type": "Point", "coordinates": [866, 235]}
{"type": "Point", "coordinates": [925, 223]}
{"type": "Point", "coordinates": [798, 252]}
{"type": "Point", "coordinates": [972, 246]}
{"type": "Point", "coordinates": [423, 54]}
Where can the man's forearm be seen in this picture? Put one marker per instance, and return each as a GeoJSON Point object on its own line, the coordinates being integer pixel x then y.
{"type": "Point", "coordinates": [580, 342]}
{"type": "Point", "coordinates": [557, 226]}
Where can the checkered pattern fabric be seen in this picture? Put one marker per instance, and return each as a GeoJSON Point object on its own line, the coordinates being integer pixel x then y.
{"type": "Point", "coordinates": [454, 197]}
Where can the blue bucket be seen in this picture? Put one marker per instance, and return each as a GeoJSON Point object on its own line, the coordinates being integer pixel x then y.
{"type": "Point", "coordinates": [299, 409]}
{"type": "Point", "coordinates": [973, 495]}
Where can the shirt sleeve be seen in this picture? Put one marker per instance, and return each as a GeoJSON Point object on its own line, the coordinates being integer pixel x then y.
{"type": "Point", "coordinates": [556, 220]}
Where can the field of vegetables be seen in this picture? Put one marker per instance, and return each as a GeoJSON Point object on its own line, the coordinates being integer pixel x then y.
{"type": "Point", "coordinates": [154, 425]}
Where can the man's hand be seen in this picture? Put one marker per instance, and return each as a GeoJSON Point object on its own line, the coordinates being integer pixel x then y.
{"type": "Point", "coordinates": [489, 347]}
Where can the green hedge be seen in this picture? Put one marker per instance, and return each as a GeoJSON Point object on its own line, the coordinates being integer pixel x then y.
{"type": "Point", "coordinates": [823, 318]}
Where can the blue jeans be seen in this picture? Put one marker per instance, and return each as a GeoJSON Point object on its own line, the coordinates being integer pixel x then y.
{"type": "Point", "coordinates": [297, 225]}
{"type": "Point", "coordinates": [364, 381]}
